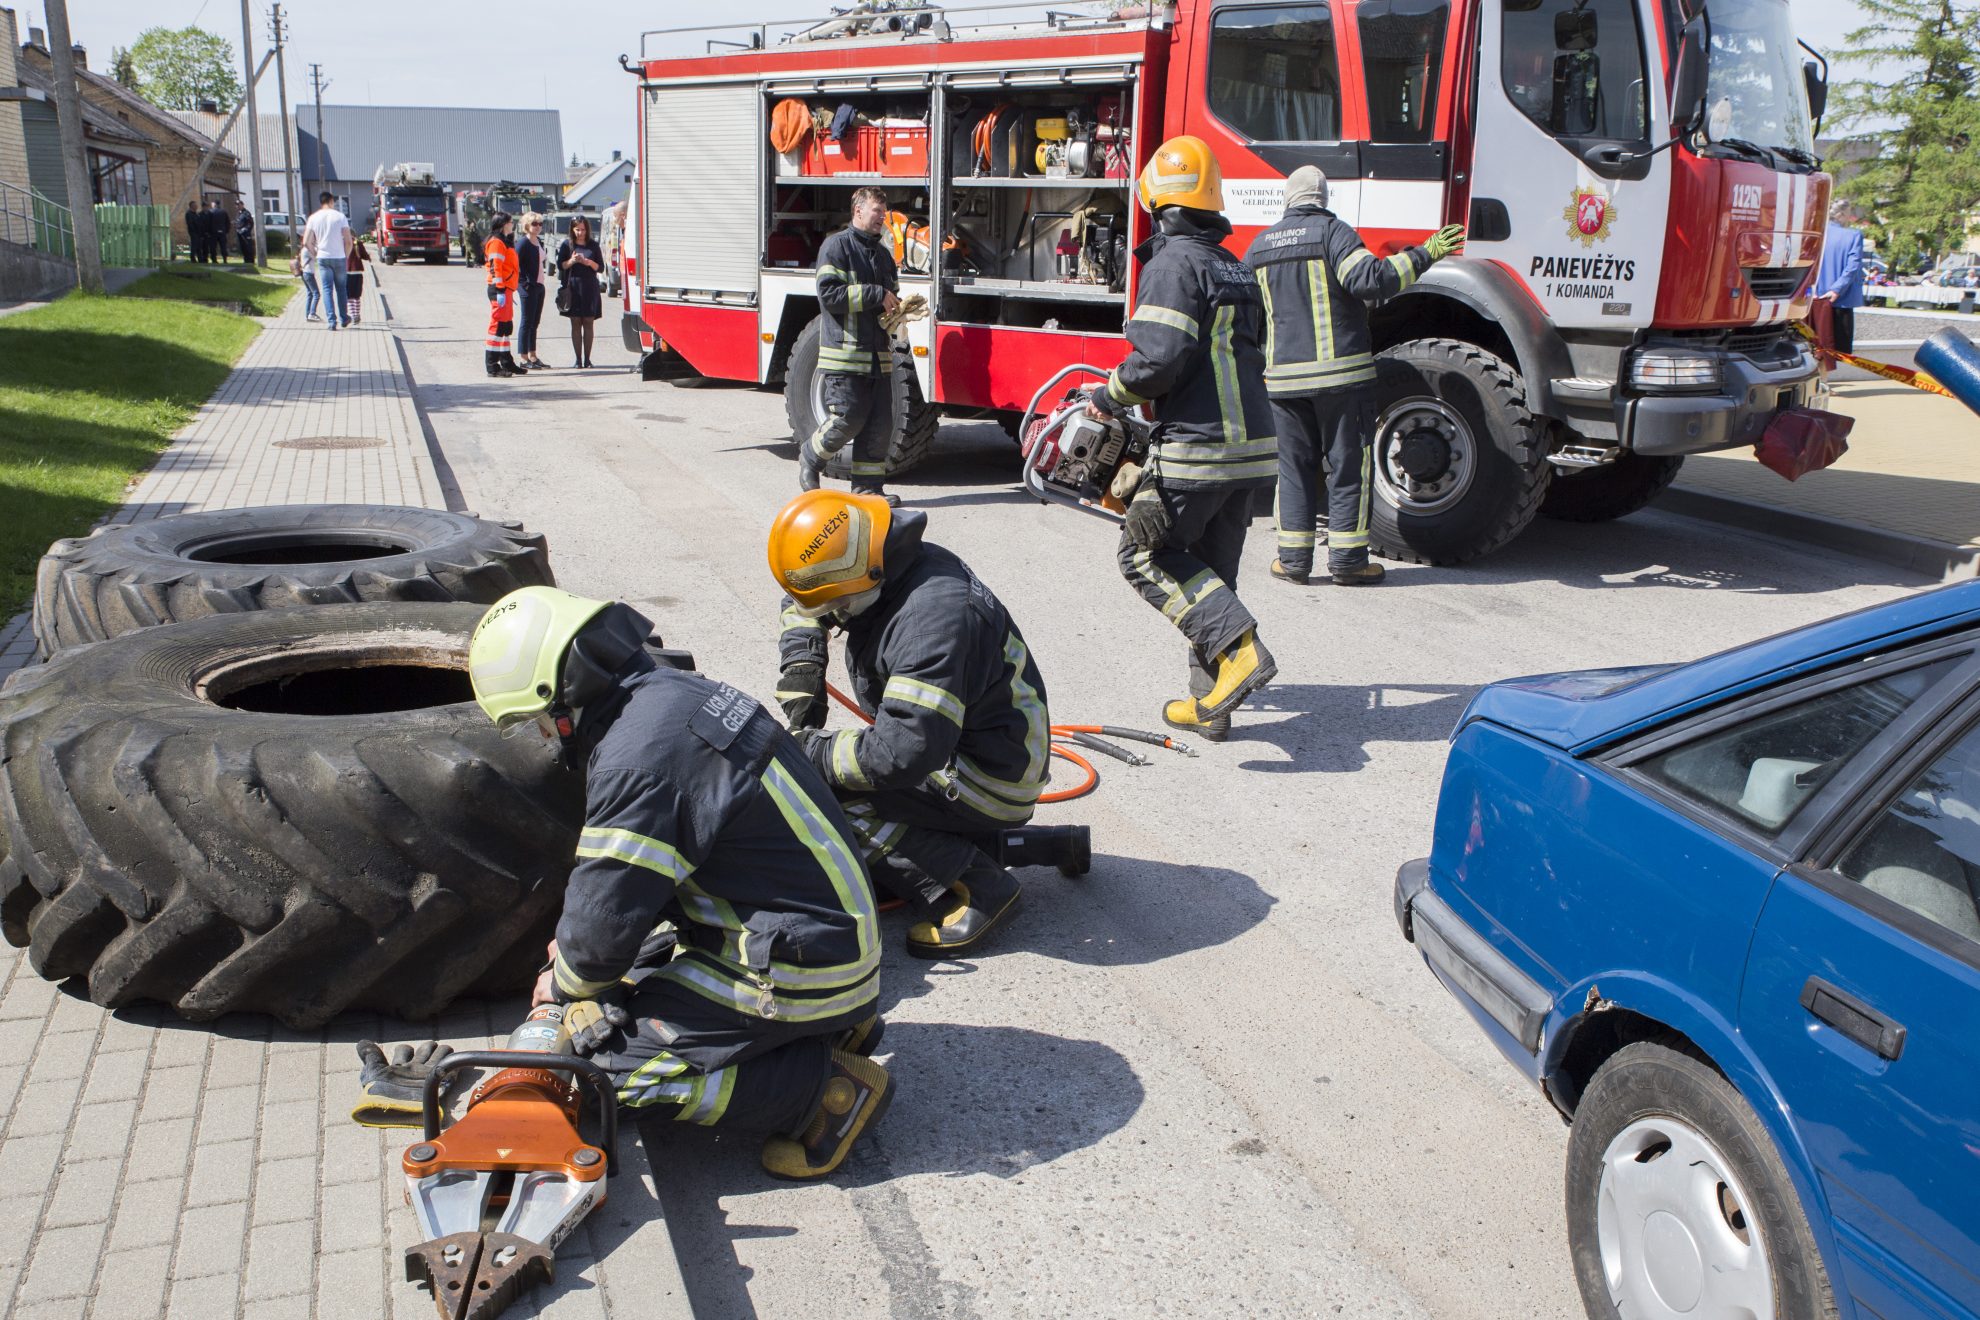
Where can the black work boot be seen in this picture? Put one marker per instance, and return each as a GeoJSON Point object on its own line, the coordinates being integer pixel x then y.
{"type": "Point", "coordinates": [857, 1092]}
{"type": "Point", "coordinates": [515, 367]}
{"type": "Point", "coordinates": [493, 361]}
{"type": "Point", "coordinates": [1364, 574]}
{"type": "Point", "coordinates": [1068, 847]}
{"type": "Point", "coordinates": [810, 467]}
{"type": "Point", "coordinates": [983, 899]}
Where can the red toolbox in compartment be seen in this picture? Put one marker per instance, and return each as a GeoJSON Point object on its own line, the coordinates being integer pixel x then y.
{"type": "Point", "coordinates": [906, 151]}
{"type": "Point", "coordinates": [858, 154]}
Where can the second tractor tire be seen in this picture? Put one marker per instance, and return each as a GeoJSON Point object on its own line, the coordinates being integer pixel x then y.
{"type": "Point", "coordinates": [915, 419]}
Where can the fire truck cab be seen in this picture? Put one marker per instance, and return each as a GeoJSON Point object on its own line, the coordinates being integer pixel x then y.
{"type": "Point", "coordinates": [1638, 177]}
{"type": "Point", "coordinates": [410, 218]}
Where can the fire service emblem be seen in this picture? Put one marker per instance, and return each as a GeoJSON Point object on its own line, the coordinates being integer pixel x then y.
{"type": "Point", "coordinates": [1589, 216]}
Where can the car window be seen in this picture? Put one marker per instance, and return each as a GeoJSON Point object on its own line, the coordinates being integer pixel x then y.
{"type": "Point", "coordinates": [1402, 57]}
{"type": "Point", "coordinates": [1923, 851]}
{"type": "Point", "coordinates": [1575, 67]}
{"type": "Point", "coordinates": [1760, 771]}
{"type": "Point", "coordinates": [1273, 74]}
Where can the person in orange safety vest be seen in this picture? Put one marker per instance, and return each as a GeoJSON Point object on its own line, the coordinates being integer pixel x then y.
{"type": "Point", "coordinates": [503, 268]}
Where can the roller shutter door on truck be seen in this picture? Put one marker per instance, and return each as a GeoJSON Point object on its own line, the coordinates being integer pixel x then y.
{"type": "Point", "coordinates": [703, 179]}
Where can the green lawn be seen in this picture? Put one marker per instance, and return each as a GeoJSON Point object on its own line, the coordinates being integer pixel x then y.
{"type": "Point", "coordinates": [90, 390]}
{"type": "Point", "coordinates": [238, 285]}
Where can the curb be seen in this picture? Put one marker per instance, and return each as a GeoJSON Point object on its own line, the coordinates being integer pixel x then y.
{"type": "Point", "coordinates": [1933, 559]}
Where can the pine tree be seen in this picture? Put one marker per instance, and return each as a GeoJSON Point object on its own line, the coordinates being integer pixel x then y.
{"type": "Point", "coordinates": [123, 69]}
{"type": "Point", "coordinates": [1920, 187]}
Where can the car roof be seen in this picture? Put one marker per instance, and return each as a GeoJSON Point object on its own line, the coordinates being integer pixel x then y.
{"type": "Point", "coordinates": [1600, 714]}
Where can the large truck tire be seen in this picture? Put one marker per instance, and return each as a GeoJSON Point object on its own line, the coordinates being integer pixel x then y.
{"type": "Point", "coordinates": [391, 257]}
{"type": "Point", "coordinates": [1459, 462]}
{"type": "Point", "coordinates": [1614, 490]}
{"type": "Point", "coordinates": [230, 561]}
{"type": "Point", "coordinates": [296, 813]}
{"type": "Point", "coordinates": [915, 419]}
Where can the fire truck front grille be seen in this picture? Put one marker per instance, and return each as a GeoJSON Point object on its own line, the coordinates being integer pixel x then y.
{"type": "Point", "coordinates": [1775, 282]}
{"type": "Point", "coordinates": [1751, 342]}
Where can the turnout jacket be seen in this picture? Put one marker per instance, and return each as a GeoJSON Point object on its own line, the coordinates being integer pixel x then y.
{"type": "Point", "coordinates": [1194, 342]}
{"type": "Point", "coordinates": [701, 810]}
{"type": "Point", "coordinates": [855, 274]}
{"type": "Point", "coordinates": [503, 267]}
{"type": "Point", "coordinates": [956, 699]}
{"type": "Point", "coordinates": [1318, 279]}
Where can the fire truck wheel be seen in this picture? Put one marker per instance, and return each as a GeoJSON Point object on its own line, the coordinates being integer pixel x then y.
{"type": "Point", "coordinates": [1457, 458]}
{"type": "Point", "coordinates": [1613, 490]}
{"type": "Point", "coordinates": [914, 418]}
{"type": "Point", "coordinates": [391, 257]}
{"type": "Point", "coordinates": [232, 561]}
{"type": "Point", "coordinates": [296, 813]}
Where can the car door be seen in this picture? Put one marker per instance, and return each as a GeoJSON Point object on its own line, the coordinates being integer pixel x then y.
{"type": "Point", "coordinates": [1862, 998]}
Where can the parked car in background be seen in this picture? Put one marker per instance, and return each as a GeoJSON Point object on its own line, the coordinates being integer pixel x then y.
{"type": "Point", "coordinates": [280, 222]}
{"type": "Point", "coordinates": [1726, 916]}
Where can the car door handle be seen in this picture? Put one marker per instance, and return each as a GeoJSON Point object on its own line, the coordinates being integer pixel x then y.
{"type": "Point", "coordinates": [1855, 1019]}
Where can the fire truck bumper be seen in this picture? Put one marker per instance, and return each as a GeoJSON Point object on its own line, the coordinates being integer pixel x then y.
{"type": "Point", "coordinates": [630, 327]}
{"type": "Point", "coordinates": [1688, 397]}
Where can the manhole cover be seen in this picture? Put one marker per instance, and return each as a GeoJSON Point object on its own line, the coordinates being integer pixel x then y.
{"type": "Point", "coordinates": [331, 442]}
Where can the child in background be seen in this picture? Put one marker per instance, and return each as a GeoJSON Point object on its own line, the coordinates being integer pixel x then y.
{"type": "Point", "coordinates": [356, 278]}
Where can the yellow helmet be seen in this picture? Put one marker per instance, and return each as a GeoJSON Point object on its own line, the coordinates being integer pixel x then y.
{"type": "Point", "coordinates": [1182, 172]}
{"type": "Point", "coordinates": [516, 655]}
{"type": "Point", "coordinates": [827, 545]}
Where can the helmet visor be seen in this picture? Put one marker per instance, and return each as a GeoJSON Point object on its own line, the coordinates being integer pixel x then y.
{"type": "Point", "coordinates": [513, 724]}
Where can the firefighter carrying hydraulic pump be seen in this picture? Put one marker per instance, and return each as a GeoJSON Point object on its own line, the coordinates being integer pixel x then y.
{"type": "Point", "coordinates": [1194, 338]}
{"type": "Point", "coordinates": [857, 284]}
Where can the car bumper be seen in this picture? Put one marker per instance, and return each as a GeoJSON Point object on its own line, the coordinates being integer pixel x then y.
{"type": "Point", "coordinates": [1731, 417]}
{"type": "Point", "coordinates": [1466, 961]}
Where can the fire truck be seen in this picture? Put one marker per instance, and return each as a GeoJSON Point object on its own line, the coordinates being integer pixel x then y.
{"type": "Point", "coordinates": [1638, 177]}
{"type": "Point", "coordinates": [411, 212]}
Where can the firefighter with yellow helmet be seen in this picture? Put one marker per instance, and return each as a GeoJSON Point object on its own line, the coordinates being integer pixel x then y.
{"type": "Point", "coordinates": [1194, 356]}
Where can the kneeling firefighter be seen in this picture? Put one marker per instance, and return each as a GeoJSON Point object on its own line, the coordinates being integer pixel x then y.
{"type": "Point", "coordinates": [504, 269]}
{"type": "Point", "coordinates": [956, 753]}
{"type": "Point", "coordinates": [701, 812]}
{"type": "Point", "coordinates": [1194, 341]}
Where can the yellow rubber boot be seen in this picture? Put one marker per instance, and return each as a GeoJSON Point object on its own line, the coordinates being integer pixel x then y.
{"type": "Point", "coordinates": [857, 1093]}
{"type": "Point", "coordinates": [985, 898]}
{"type": "Point", "coordinates": [1241, 671]}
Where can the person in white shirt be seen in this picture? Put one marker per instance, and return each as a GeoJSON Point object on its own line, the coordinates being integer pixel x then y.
{"type": "Point", "coordinates": [328, 235]}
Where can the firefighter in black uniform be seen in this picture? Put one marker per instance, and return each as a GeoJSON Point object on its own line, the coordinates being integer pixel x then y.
{"type": "Point", "coordinates": [857, 282]}
{"type": "Point", "coordinates": [701, 812]}
{"type": "Point", "coordinates": [956, 750]}
{"type": "Point", "coordinates": [1319, 279]}
{"type": "Point", "coordinates": [1194, 354]}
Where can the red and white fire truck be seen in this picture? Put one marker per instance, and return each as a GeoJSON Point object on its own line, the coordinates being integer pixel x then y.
{"type": "Point", "coordinates": [410, 213]}
{"type": "Point", "coordinates": [1638, 176]}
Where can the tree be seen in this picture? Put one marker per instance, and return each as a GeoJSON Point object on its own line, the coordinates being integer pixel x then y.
{"type": "Point", "coordinates": [1920, 111]}
{"type": "Point", "coordinates": [177, 69]}
{"type": "Point", "coordinates": [122, 69]}
{"type": "Point", "coordinates": [574, 163]}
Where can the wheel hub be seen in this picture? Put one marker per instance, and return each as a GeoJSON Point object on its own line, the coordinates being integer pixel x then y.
{"type": "Point", "coordinates": [1671, 1259]}
{"type": "Point", "coordinates": [1425, 456]}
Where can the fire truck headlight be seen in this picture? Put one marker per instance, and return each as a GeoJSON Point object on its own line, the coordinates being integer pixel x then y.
{"type": "Point", "coordinates": [1663, 370]}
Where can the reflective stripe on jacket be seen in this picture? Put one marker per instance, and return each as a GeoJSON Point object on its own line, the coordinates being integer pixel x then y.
{"type": "Point", "coordinates": [855, 274]}
{"type": "Point", "coordinates": [1319, 279]}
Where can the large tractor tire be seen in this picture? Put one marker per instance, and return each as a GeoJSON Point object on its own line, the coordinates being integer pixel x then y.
{"type": "Point", "coordinates": [914, 418]}
{"type": "Point", "coordinates": [1459, 461]}
{"type": "Point", "coordinates": [230, 561]}
{"type": "Point", "coordinates": [297, 813]}
{"type": "Point", "coordinates": [1614, 490]}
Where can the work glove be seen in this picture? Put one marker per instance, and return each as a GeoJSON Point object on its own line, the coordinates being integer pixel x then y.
{"type": "Point", "coordinates": [801, 692]}
{"type": "Point", "coordinates": [391, 1088]}
{"type": "Point", "coordinates": [1148, 520]}
{"type": "Point", "coordinates": [1448, 241]}
{"type": "Point", "coordinates": [598, 1024]}
{"type": "Point", "coordinates": [816, 744]}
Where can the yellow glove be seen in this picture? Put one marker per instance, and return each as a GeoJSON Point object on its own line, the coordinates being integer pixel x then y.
{"type": "Point", "coordinates": [1446, 242]}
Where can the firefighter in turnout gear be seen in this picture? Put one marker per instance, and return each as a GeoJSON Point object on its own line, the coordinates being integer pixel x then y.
{"type": "Point", "coordinates": [1319, 279]}
{"type": "Point", "coordinates": [857, 283]}
{"type": "Point", "coordinates": [503, 270]}
{"type": "Point", "coordinates": [1194, 355]}
{"type": "Point", "coordinates": [756, 1009]}
{"type": "Point", "coordinates": [956, 751]}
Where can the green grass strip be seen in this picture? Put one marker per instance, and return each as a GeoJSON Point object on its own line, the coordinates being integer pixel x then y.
{"type": "Point", "coordinates": [262, 293]}
{"type": "Point", "coordinates": [91, 389]}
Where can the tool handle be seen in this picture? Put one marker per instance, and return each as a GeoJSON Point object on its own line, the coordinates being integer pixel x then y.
{"type": "Point", "coordinates": [581, 1070]}
{"type": "Point", "coordinates": [1954, 361]}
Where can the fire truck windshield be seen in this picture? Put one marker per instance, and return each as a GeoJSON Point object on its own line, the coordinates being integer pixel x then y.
{"type": "Point", "coordinates": [1754, 90]}
{"type": "Point", "coordinates": [416, 203]}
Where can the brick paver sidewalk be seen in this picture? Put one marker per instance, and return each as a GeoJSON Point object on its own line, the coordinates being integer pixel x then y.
{"type": "Point", "coordinates": [153, 1167]}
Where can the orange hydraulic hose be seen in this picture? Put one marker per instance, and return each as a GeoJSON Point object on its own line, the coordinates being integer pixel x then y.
{"type": "Point", "coordinates": [1079, 790]}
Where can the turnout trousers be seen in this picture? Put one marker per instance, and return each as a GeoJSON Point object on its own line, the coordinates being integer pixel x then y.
{"type": "Point", "coordinates": [1324, 439]}
{"type": "Point", "coordinates": [858, 410]}
{"type": "Point", "coordinates": [918, 841]}
{"type": "Point", "coordinates": [1189, 576]}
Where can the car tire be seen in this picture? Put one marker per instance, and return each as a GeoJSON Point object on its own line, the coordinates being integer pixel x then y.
{"type": "Point", "coordinates": [295, 813]}
{"type": "Point", "coordinates": [1650, 1103]}
{"type": "Point", "coordinates": [231, 561]}
{"type": "Point", "coordinates": [915, 420]}
{"type": "Point", "coordinates": [1614, 490]}
{"type": "Point", "coordinates": [1458, 462]}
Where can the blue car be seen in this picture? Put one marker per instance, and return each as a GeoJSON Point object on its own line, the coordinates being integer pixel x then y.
{"type": "Point", "coordinates": [1726, 916]}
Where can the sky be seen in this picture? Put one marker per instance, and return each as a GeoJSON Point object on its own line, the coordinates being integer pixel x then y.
{"type": "Point", "coordinates": [514, 53]}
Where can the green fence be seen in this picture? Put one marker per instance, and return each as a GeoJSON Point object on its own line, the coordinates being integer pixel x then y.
{"type": "Point", "coordinates": [134, 235]}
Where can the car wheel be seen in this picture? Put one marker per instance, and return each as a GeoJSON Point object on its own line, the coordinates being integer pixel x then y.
{"type": "Point", "coordinates": [1677, 1203]}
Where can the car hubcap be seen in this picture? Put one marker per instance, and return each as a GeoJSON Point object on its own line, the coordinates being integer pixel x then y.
{"type": "Point", "coordinates": [1426, 456]}
{"type": "Point", "coordinates": [1674, 1227]}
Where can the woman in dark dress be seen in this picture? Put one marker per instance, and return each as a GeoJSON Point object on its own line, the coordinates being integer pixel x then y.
{"type": "Point", "coordinates": [579, 261]}
{"type": "Point", "coordinates": [529, 256]}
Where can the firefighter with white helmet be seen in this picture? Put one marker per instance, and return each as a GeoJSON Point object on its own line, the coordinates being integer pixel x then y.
{"type": "Point", "coordinates": [1195, 357]}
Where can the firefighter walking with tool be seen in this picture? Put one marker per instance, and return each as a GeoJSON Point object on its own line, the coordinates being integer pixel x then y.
{"type": "Point", "coordinates": [699, 811]}
{"type": "Point", "coordinates": [857, 284]}
{"type": "Point", "coordinates": [956, 751]}
{"type": "Point", "coordinates": [503, 271]}
{"type": "Point", "coordinates": [1319, 280]}
{"type": "Point", "coordinates": [1194, 354]}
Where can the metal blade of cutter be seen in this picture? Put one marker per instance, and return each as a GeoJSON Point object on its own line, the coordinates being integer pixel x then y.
{"type": "Point", "coordinates": [474, 1276]}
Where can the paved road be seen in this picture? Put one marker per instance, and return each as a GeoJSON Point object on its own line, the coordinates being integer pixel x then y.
{"type": "Point", "coordinates": [1210, 1079]}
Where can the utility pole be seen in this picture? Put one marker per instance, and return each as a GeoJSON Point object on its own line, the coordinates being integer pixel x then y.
{"type": "Point", "coordinates": [279, 34]}
{"type": "Point", "coordinates": [316, 81]}
{"type": "Point", "coordinates": [75, 164]}
{"type": "Point", "coordinates": [256, 208]}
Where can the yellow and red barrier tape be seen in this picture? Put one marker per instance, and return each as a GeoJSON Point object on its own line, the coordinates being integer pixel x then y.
{"type": "Point", "coordinates": [1918, 380]}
